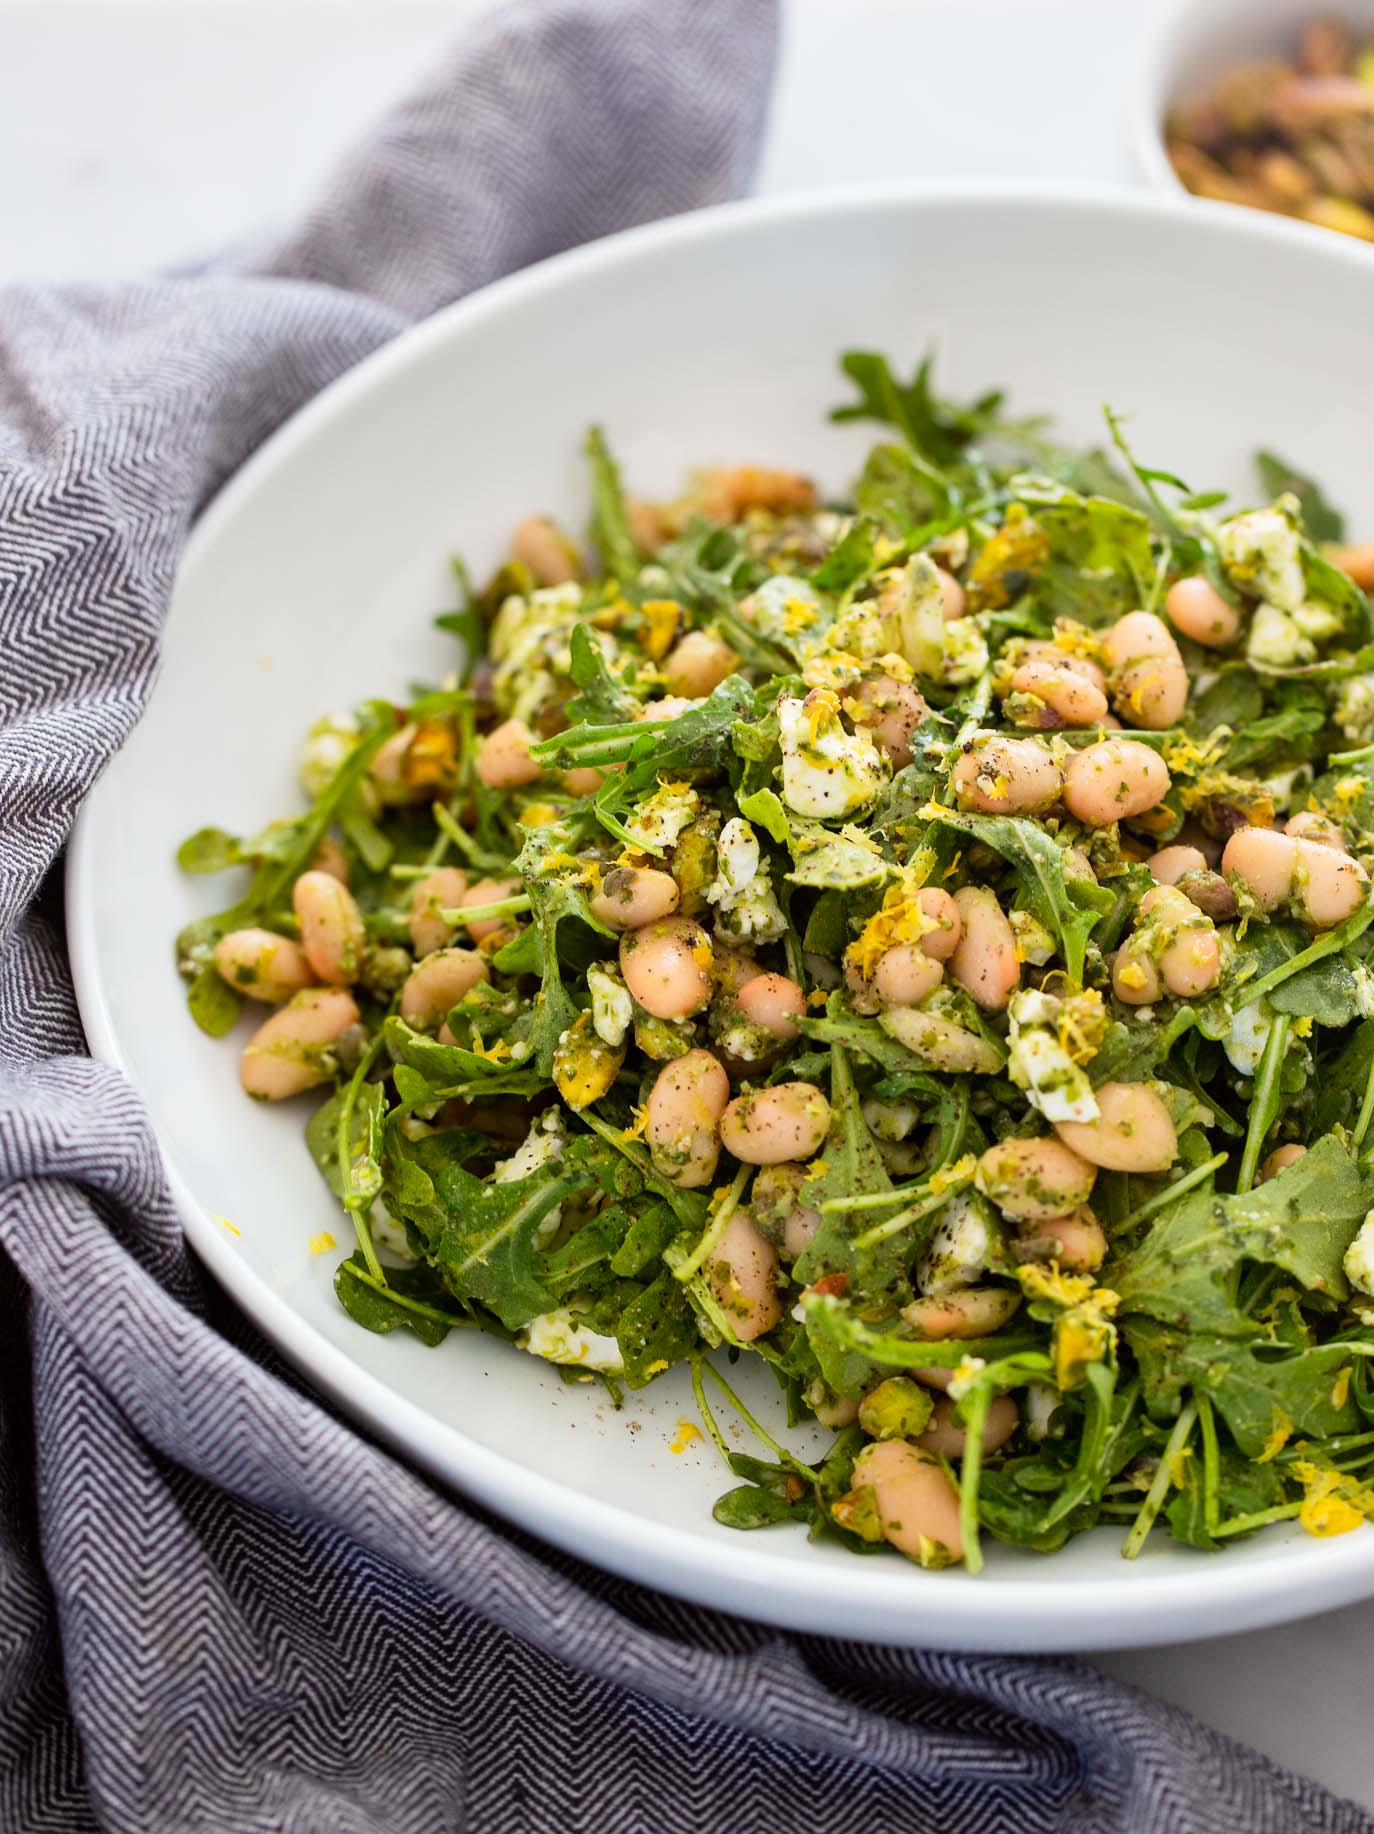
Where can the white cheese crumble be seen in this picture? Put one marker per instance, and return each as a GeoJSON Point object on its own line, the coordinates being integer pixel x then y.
{"type": "Point", "coordinates": [658, 822]}
{"type": "Point", "coordinates": [1354, 710]}
{"type": "Point", "coordinates": [965, 1376]}
{"type": "Point", "coordinates": [529, 643]}
{"type": "Point", "coordinates": [1038, 1063]}
{"type": "Point", "coordinates": [1275, 641]}
{"type": "Point", "coordinates": [826, 772]}
{"type": "Point", "coordinates": [965, 652]}
{"type": "Point", "coordinates": [613, 1010]}
{"type": "Point", "coordinates": [541, 1145]}
{"type": "Point", "coordinates": [1245, 1041]}
{"type": "Point", "coordinates": [782, 606]}
{"type": "Point", "coordinates": [958, 1247]}
{"type": "Point", "coordinates": [1359, 1257]}
{"type": "Point", "coordinates": [1261, 555]}
{"type": "Point", "coordinates": [327, 744]}
{"type": "Point", "coordinates": [558, 1338]}
{"type": "Point", "coordinates": [742, 892]}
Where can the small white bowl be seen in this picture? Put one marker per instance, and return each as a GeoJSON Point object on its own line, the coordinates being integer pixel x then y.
{"type": "Point", "coordinates": [1191, 43]}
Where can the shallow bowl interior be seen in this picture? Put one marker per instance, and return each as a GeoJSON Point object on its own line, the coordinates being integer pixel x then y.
{"type": "Point", "coordinates": [310, 584]}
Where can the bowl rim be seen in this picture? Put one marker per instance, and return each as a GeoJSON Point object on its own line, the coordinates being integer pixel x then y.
{"type": "Point", "coordinates": [1188, 1601]}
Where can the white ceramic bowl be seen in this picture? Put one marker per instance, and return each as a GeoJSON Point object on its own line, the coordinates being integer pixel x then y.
{"type": "Point", "coordinates": [309, 585]}
{"type": "Point", "coordinates": [1191, 42]}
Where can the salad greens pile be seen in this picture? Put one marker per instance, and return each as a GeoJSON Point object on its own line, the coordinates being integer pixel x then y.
{"type": "Point", "coordinates": [918, 940]}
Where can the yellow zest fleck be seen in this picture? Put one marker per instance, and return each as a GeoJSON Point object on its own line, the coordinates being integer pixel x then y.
{"type": "Point", "coordinates": [660, 625]}
{"type": "Point", "coordinates": [1279, 1435]}
{"type": "Point", "coordinates": [659, 1364]}
{"type": "Point", "coordinates": [538, 815]}
{"type": "Point", "coordinates": [1333, 1504]}
{"type": "Point", "coordinates": [960, 1173]}
{"type": "Point", "coordinates": [898, 919]}
{"type": "Point", "coordinates": [1132, 975]}
{"type": "Point", "coordinates": [224, 1223]}
{"type": "Point", "coordinates": [322, 1243]}
{"type": "Point", "coordinates": [1340, 1388]}
{"type": "Point", "coordinates": [896, 666]}
{"type": "Point", "coordinates": [817, 997]}
{"type": "Point", "coordinates": [639, 1120]}
{"type": "Point", "coordinates": [686, 1433]}
{"type": "Point", "coordinates": [819, 1168]}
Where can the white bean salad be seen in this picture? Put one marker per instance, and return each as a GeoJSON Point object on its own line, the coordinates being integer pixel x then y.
{"type": "Point", "coordinates": [916, 939]}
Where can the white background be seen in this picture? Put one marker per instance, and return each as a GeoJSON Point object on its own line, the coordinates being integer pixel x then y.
{"type": "Point", "coordinates": [142, 132]}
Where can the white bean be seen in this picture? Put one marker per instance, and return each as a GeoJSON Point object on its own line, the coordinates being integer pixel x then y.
{"type": "Point", "coordinates": [985, 962]}
{"type": "Point", "coordinates": [1196, 608]}
{"type": "Point", "coordinates": [1076, 1242]}
{"type": "Point", "coordinates": [697, 664]}
{"type": "Point", "coordinates": [583, 780]}
{"type": "Point", "coordinates": [918, 1506]}
{"type": "Point", "coordinates": [1149, 684]}
{"type": "Point", "coordinates": [667, 967]}
{"type": "Point", "coordinates": [1001, 776]}
{"type": "Point", "coordinates": [332, 933]}
{"type": "Point", "coordinates": [486, 891]}
{"type": "Point", "coordinates": [953, 600]}
{"type": "Point", "coordinates": [947, 1438]}
{"type": "Point", "coordinates": [1035, 1179]}
{"type": "Point", "coordinates": [968, 1311]}
{"type": "Point", "coordinates": [290, 1052]}
{"type": "Point", "coordinates": [682, 1124]}
{"type": "Point", "coordinates": [775, 1205]}
{"type": "Point", "coordinates": [1280, 1160]}
{"type": "Point", "coordinates": [503, 759]}
{"type": "Point", "coordinates": [905, 975]}
{"type": "Point", "coordinates": [1170, 863]}
{"type": "Point", "coordinates": [1264, 862]}
{"type": "Point", "coordinates": [438, 983]}
{"type": "Point", "coordinates": [545, 550]}
{"type": "Point", "coordinates": [1330, 885]}
{"type": "Point", "coordinates": [940, 909]}
{"type": "Point", "coordinates": [742, 1273]}
{"type": "Point", "coordinates": [1114, 780]}
{"type": "Point", "coordinates": [628, 897]}
{"type": "Point", "coordinates": [437, 891]}
{"type": "Point", "coordinates": [892, 710]}
{"type": "Point", "coordinates": [1133, 1131]}
{"type": "Point", "coordinates": [1070, 699]}
{"type": "Point", "coordinates": [941, 1043]}
{"type": "Point", "coordinates": [1308, 825]}
{"type": "Point", "coordinates": [768, 1126]}
{"type": "Point", "coordinates": [262, 965]}
{"type": "Point", "coordinates": [773, 1002]}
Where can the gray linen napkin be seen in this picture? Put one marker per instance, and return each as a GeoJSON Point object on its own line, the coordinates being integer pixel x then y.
{"type": "Point", "coordinates": [220, 1608]}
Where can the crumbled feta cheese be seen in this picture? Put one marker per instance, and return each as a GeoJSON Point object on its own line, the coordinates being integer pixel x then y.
{"type": "Point", "coordinates": [1038, 1062]}
{"type": "Point", "coordinates": [1041, 1401]}
{"type": "Point", "coordinates": [1261, 555]}
{"type": "Point", "coordinates": [966, 652]}
{"type": "Point", "coordinates": [658, 822]}
{"type": "Point", "coordinates": [1245, 1041]}
{"type": "Point", "coordinates": [1275, 641]}
{"type": "Point", "coordinates": [1364, 990]}
{"type": "Point", "coordinates": [541, 1145]}
{"type": "Point", "coordinates": [742, 891]}
{"type": "Point", "coordinates": [529, 643]}
{"type": "Point", "coordinates": [890, 1120]}
{"type": "Point", "coordinates": [965, 1376]}
{"type": "Point", "coordinates": [1034, 944]}
{"type": "Point", "coordinates": [613, 1010]}
{"type": "Point", "coordinates": [1359, 1257]}
{"type": "Point", "coordinates": [1354, 710]}
{"type": "Point", "coordinates": [782, 607]}
{"type": "Point", "coordinates": [558, 1338]}
{"type": "Point", "coordinates": [1317, 620]}
{"type": "Point", "coordinates": [390, 1234]}
{"type": "Point", "coordinates": [958, 1247]}
{"type": "Point", "coordinates": [327, 744]}
{"type": "Point", "coordinates": [826, 771]}
{"type": "Point", "coordinates": [917, 599]}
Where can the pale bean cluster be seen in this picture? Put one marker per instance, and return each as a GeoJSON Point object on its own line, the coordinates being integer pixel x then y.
{"type": "Point", "coordinates": [1174, 948]}
{"type": "Point", "coordinates": [1305, 865]}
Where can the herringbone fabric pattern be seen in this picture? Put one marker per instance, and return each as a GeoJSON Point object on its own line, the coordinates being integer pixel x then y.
{"type": "Point", "coordinates": [219, 1607]}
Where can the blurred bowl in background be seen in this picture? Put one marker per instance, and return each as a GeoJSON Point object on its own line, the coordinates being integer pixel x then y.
{"type": "Point", "coordinates": [1301, 148]}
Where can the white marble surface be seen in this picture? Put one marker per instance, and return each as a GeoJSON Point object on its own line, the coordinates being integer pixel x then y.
{"type": "Point", "coordinates": [139, 132]}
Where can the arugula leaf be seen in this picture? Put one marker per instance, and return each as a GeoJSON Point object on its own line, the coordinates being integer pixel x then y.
{"type": "Point", "coordinates": [610, 524]}
{"type": "Point", "coordinates": [928, 426]}
{"type": "Point", "coordinates": [830, 861]}
{"type": "Point", "coordinates": [413, 1299]}
{"type": "Point", "coordinates": [1255, 1388]}
{"type": "Point", "coordinates": [1100, 562]}
{"type": "Point", "coordinates": [604, 700]}
{"type": "Point", "coordinates": [1185, 1270]}
{"type": "Point", "coordinates": [897, 492]}
{"type": "Point", "coordinates": [657, 1329]}
{"type": "Point", "coordinates": [850, 560]}
{"type": "Point", "coordinates": [1322, 522]}
{"type": "Point", "coordinates": [212, 1002]}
